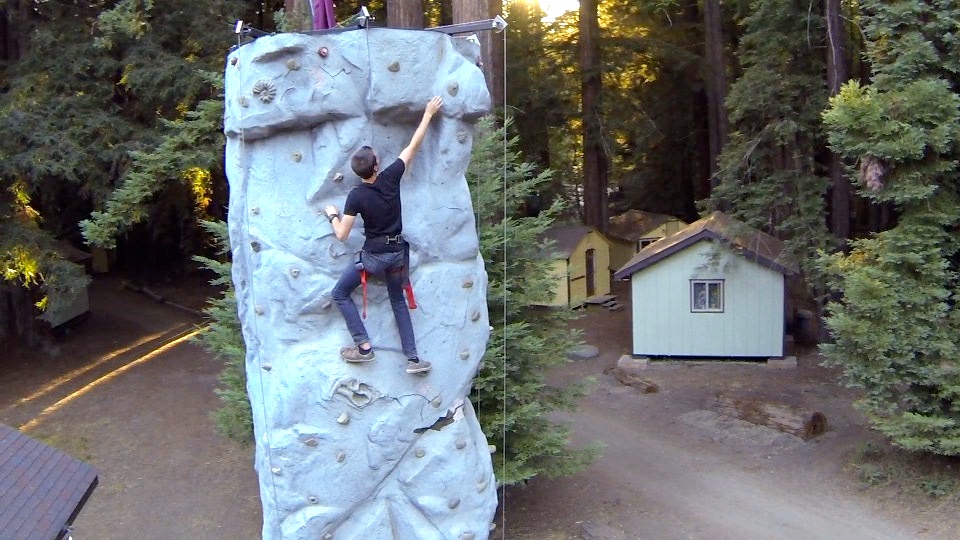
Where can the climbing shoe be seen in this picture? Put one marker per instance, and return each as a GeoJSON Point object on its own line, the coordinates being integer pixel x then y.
{"type": "Point", "coordinates": [418, 367]}
{"type": "Point", "coordinates": [353, 354]}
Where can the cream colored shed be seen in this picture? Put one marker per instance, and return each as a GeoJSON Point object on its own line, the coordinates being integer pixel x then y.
{"type": "Point", "coordinates": [634, 230]}
{"type": "Point", "coordinates": [713, 289]}
{"type": "Point", "coordinates": [581, 259]}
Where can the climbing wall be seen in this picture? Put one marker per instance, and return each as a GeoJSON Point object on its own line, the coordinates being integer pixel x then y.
{"type": "Point", "coordinates": [358, 451]}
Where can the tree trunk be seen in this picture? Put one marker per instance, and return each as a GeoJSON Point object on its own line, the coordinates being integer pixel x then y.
{"type": "Point", "coordinates": [838, 72]}
{"type": "Point", "coordinates": [594, 155]}
{"type": "Point", "coordinates": [405, 13]}
{"type": "Point", "coordinates": [491, 43]}
{"type": "Point", "coordinates": [298, 15]}
{"type": "Point", "coordinates": [716, 79]}
{"type": "Point", "coordinates": [803, 423]}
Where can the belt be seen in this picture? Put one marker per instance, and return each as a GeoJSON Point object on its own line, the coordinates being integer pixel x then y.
{"type": "Point", "coordinates": [379, 244]}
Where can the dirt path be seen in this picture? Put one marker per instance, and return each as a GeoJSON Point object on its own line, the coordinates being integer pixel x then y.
{"type": "Point", "coordinates": [139, 411]}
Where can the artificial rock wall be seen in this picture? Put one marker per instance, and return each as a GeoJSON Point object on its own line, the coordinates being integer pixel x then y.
{"type": "Point", "coordinates": [358, 451]}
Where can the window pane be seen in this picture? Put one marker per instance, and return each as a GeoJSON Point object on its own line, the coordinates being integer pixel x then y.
{"type": "Point", "coordinates": [715, 296]}
{"type": "Point", "coordinates": [699, 295]}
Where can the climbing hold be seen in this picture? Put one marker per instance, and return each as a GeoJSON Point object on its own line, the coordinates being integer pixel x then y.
{"type": "Point", "coordinates": [491, 329]}
{"type": "Point", "coordinates": [258, 310]}
{"type": "Point", "coordinates": [436, 401]}
{"type": "Point", "coordinates": [341, 455]}
{"type": "Point", "coordinates": [338, 177]}
{"type": "Point", "coordinates": [255, 210]}
{"type": "Point", "coordinates": [311, 442]}
{"type": "Point", "coordinates": [233, 61]}
{"type": "Point", "coordinates": [475, 317]}
{"type": "Point", "coordinates": [453, 503]}
{"type": "Point", "coordinates": [461, 444]}
{"type": "Point", "coordinates": [323, 52]}
{"type": "Point", "coordinates": [326, 305]}
{"type": "Point", "coordinates": [467, 283]}
{"type": "Point", "coordinates": [492, 448]}
{"type": "Point", "coordinates": [267, 367]}
{"type": "Point", "coordinates": [277, 471]}
{"type": "Point", "coordinates": [394, 66]}
{"type": "Point", "coordinates": [255, 246]}
{"type": "Point", "coordinates": [461, 136]}
{"type": "Point", "coordinates": [467, 536]}
{"type": "Point", "coordinates": [313, 500]}
{"type": "Point", "coordinates": [295, 272]}
{"type": "Point", "coordinates": [464, 354]}
{"type": "Point", "coordinates": [265, 90]}
{"type": "Point", "coordinates": [482, 485]}
{"type": "Point", "coordinates": [327, 536]}
{"type": "Point", "coordinates": [493, 526]}
{"type": "Point", "coordinates": [243, 101]}
{"type": "Point", "coordinates": [297, 156]}
{"type": "Point", "coordinates": [420, 452]}
{"type": "Point", "coordinates": [453, 87]}
{"type": "Point", "coordinates": [293, 65]}
{"type": "Point", "coordinates": [344, 419]}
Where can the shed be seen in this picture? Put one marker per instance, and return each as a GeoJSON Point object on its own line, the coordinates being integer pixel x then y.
{"type": "Point", "coordinates": [580, 258]}
{"type": "Point", "coordinates": [634, 230]}
{"type": "Point", "coordinates": [713, 289]}
{"type": "Point", "coordinates": [42, 490]}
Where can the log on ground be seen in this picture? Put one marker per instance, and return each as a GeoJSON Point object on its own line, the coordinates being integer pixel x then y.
{"type": "Point", "coordinates": [803, 423]}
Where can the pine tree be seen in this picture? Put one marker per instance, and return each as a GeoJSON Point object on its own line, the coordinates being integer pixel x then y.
{"type": "Point", "coordinates": [224, 339]}
{"type": "Point", "coordinates": [897, 329]}
{"type": "Point", "coordinates": [512, 397]}
{"type": "Point", "coordinates": [768, 174]}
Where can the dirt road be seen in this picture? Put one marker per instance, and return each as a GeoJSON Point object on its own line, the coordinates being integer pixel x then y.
{"type": "Point", "coordinates": [141, 416]}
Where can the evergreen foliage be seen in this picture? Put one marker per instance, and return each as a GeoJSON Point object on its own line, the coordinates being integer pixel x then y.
{"type": "Point", "coordinates": [768, 175]}
{"type": "Point", "coordinates": [897, 329]}
{"type": "Point", "coordinates": [512, 397]}
{"type": "Point", "coordinates": [223, 338]}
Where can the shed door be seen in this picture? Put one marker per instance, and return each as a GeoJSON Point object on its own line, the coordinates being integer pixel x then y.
{"type": "Point", "coordinates": [591, 274]}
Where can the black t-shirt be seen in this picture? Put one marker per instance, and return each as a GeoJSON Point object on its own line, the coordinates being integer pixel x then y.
{"type": "Point", "coordinates": [379, 204]}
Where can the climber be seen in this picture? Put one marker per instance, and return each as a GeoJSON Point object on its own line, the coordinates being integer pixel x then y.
{"type": "Point", "coordinates": [384, 252]}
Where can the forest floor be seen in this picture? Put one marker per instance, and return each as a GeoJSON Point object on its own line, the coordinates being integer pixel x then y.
{"type": "Point", "coordinates": [110, 393]}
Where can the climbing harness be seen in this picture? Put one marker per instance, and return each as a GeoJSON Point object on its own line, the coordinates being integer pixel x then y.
{"type": "Point", "coordinates": [407, 286]}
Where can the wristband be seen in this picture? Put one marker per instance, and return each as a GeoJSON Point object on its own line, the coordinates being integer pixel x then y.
{"type": "Point", "coordinates": [330, 218]}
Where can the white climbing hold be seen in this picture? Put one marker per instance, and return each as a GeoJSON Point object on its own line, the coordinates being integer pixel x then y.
{"type": "Point", "coordinates": [467, 283]}
{"type": "Point", "coordinates": [475, 317]}
{"type": "Point", "coordinates": [341, 455]}
{"type": "Point", "coordinates": [311, 442]}
{"type": "Point", "coordinates": [277, 471]}
{"type": "Point", "coordinates": [492, 448]}
{"type": "Point", "coordinates": [267, 367]}
{"type": "Point", "coordinates": [344, 419]}
{"type": "Point", "coordinates": [436, 401]}
{"type": "Point", "coordinates": [313, 500]}
{"type": "Point", "coordinates": [420, 452]}
{"type": "Point", "coordinates": [465, 354]}
{"type": "Point", "coordinates": [255, 210]}
{"type": "Point", "coordinates": [482, 485]}
{"type": "Point", "coordinates": [258, 310]}
{"type": "Point", "coordinates": [295, 272]}
{"type": "Point", "coordinates": [461, 444]}
{"type": "Point", "coordinates": [453, 503]}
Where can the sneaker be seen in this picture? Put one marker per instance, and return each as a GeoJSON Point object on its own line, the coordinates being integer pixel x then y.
{"type": "Point", "coordinates": [353, 354]}
{"type": "Point", "coordinates": [418, 367]}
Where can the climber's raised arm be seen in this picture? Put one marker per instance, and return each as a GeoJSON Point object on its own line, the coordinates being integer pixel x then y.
{"type": "Point", "coordinates": [432, 107]}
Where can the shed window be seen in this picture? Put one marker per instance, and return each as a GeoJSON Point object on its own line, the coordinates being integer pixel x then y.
{"type": "Point", "coordinates": [706, 296]}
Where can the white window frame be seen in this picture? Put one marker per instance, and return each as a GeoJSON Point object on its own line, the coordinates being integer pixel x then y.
{"type": "Point", "coordinates": [707, 283]}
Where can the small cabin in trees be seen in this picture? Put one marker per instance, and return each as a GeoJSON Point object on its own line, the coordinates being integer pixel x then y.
{"type": "Point", "coordinates": [713, 289]}
{"type": "Point", "coordinates": [580, 259]}
{"type": "Point", "coordinates": [634, 230]}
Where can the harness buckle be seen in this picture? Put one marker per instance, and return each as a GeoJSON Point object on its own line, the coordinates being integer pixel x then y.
{"type": "Point", "coordinates": [394, 239]}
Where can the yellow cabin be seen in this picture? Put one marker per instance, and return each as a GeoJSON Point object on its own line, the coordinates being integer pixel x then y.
{"type": "Point", "coordinates": [634, 230]}
{"type": "Point", "coordinates": [581, 258]}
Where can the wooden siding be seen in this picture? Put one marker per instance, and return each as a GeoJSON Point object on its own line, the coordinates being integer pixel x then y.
{"type": "Point", "coordinates": [578, 268]}
{"type": "Point", "coordinates": [751, 324]}
{"type": "Point", "coordinates": [570, 275]}
{"type": "Point", "coordinates": [621, 251]}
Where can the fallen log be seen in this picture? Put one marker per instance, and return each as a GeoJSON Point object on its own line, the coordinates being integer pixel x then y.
{"type": "Point", "coordinates": [632, 379]}
{"type": "Point", "coordinates": [803, 423]}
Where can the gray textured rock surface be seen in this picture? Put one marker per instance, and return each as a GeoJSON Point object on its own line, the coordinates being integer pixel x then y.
{"type": "Point", "coordinates": [350, 451]}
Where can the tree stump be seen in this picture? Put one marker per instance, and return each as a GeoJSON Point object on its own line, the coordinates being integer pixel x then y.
{"type": "Point", "coordinates": [803, 423]}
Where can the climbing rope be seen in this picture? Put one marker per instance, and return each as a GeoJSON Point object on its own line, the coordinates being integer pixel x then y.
{"type": "Point", "coordinates": [256, 329]}
{"type": "Point", "coordinates": [503, 448]}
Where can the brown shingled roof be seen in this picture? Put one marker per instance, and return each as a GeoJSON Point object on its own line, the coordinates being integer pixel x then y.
{"type": "Point", "coordinates": [747, 242]}
{"type": "Point", "coordinates": [41, 489]}
{"type": "Point", "coordinates": [565, 240]}
{"type": "Point", "coordinates": [633, 225]}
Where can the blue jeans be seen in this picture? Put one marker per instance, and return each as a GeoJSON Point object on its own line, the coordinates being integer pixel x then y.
{"type": "Point", "coordinates": [386, 266]}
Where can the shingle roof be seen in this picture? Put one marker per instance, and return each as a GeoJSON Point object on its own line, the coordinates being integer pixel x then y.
{"type": "Point", "coordinates": [633, 225]}
{"type": "Point", "coordinates": [565, 238]}
{"type": "Point", "coordinates": [41, 489]}
{"type": "Point", "coordinates": [747, 242]}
